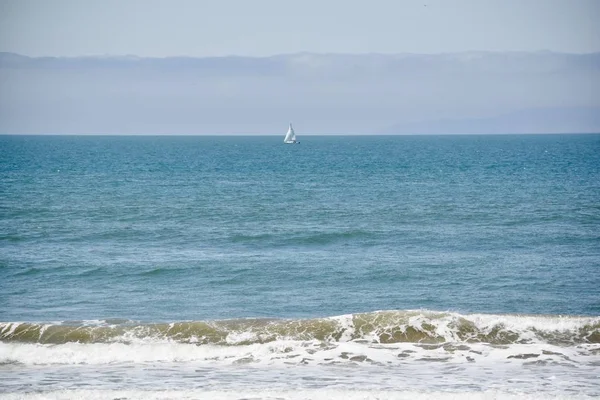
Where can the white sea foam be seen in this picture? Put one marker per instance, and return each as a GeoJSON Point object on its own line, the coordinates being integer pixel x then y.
{"type": "Point", "coordinates": [315, 369]}
{"type": "Point", "coordinates": [347, 325]}
{"type": "Point", "coordinates": [295, 352]}
{"type": "Point", "coordinates": [314, 394]}
{"type": "Point", "coordinates": [8, 328]}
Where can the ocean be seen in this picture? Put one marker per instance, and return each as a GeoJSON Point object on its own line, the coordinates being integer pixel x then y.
{"type": "Point", "coordinates": [343, 267]}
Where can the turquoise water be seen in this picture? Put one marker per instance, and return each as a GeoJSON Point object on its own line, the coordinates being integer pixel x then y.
{"type": "Point", "coordinates": [115, 236]}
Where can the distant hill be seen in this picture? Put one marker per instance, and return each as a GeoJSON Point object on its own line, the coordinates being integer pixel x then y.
{"type": "Point", "coordinates": [473, 92]}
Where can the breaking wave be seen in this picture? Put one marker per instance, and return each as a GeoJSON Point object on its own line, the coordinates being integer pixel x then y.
{"type": "Point", "coordinates": [375, 338]}
{"type": "Point", "coordinates": [385, 327]}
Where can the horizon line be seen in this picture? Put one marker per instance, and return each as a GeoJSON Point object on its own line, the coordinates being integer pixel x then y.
{"type": "Point", "coordinates": [302, 135]}
{"type": "Point", "coordinates": [130, 55]}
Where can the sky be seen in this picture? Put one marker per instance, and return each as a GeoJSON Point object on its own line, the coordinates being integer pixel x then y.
{"type": "Point", "coordinates": [200, 28]}
{"type": "Point", "coordinates": [342, 66]}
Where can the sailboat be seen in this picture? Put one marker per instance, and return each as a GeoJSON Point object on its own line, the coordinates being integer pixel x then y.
{"type": "Point", "coordinates": [290, 136]}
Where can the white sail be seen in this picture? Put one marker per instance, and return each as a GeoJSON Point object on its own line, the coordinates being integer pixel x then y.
{"type": "Point", "coordinates": [290, 136]}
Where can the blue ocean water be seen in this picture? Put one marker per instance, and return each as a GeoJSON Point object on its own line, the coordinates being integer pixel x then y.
{"type": "Point", "coordinates": [115, 236]}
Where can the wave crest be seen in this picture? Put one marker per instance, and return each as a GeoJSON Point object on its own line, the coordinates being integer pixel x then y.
{"type": "Point", "coordinates": [384, 327]}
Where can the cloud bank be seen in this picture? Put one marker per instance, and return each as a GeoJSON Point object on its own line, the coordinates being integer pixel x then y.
{"type": "Point", "coordinates": [474, 92]}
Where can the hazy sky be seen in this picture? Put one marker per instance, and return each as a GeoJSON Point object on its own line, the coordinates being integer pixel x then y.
{"type": "Point", "coordinates": [266, 27]}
